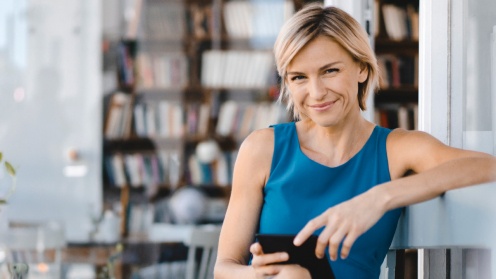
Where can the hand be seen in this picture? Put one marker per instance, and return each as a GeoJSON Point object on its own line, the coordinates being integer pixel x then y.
{"type": "Point", "coordinates": [295, 271]}
{"type": "Point", "coordinates": [264, 264]}
{"type": "Point", "coordinates": [347, 220]}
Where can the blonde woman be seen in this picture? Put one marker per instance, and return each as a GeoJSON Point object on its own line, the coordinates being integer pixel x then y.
{"type": "Point", "coordinates": [332, 173]}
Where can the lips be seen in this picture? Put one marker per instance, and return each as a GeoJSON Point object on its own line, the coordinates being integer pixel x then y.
{"type": "Point", "coordinates": [322, 106]}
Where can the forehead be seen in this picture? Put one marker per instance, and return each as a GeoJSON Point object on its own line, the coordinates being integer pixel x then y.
{"type": "Point", "coordinates": [321, 50]}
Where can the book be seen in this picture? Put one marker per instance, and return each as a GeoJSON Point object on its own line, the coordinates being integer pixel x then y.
{"type": "Point", "coordinates": [257, 20]}
{"type": "Point", "coordinates": [397, 70]}
{"type": "Point", "coordinates": [151, 120]}
{"type": "Point", "coordinates": [395, 20]}
{"type": "Point", "coordinates": [118, 116]}
{"type": "Point", "coordinates": [139, 120]}
{"type": "Point", "coordinates": [413, 18]}
{"type": "Point", "coordinates": [132, 167]}
{"type": "Point", "coordinates": [203, 119]}
{"type": "Point", "coordinates": [226, 117]}
{"type": "Point", "coordinates": [403, 121]}
{"type": "Point", "coordinates": [222, 171]}
{"type": "Point", "coordinates": [165, 20]}
{"type": "Point", "coordinates": [118, 171]}
{"type": "Point", "coordinates": [236, 69]}
{"type": "Point", "coordinates": [134, 21]}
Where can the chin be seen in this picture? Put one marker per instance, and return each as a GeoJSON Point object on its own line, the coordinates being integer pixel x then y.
{"type": "Point", "coordinates": [325, 122]}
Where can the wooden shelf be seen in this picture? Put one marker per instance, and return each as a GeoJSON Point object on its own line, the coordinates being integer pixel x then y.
{"type": "Point", "coordinates": [405, 47]}
{"type": "Point", "coordinates": [128, 144]}
{"type": "Point", "coordinates": [397, 95]}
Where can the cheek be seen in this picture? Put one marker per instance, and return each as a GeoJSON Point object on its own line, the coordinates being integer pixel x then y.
{"type": "Point", "coordinates": [339, 85]}
{"type": "Point", "coordinates": [295, 91]}
{"type": "Point", "coordinates": [349, 85]}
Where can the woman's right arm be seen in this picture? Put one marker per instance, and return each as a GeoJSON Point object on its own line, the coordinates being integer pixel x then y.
{"type": "Point", "coordinates": [251, 171]}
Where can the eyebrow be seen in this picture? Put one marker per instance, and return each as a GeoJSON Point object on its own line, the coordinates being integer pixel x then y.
{"type": "Point", "coordinates": [326, 66]}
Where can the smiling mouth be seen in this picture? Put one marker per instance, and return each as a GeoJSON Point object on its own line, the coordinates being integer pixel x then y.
{"type": "Point", "coordinates": [323, 105]}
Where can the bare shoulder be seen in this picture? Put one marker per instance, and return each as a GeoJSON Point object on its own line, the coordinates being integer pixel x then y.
{"type": "Point", "coordinates": [259, 141]}
{"type": "Point", "coordinates": [255, 153]}
{"type": "Point", "coordinates": [401, 138]}
{"type": "Point", "coordinates": [418, 151]}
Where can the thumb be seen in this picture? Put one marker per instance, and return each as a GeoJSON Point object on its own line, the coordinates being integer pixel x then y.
{"type": "Point", "coordinates": [256, 248]}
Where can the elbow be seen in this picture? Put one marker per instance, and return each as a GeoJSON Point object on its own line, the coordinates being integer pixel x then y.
{"type": "Point", "coordinates": [218, 270]}
{"type": "Point", "coordinates": [227, 269]}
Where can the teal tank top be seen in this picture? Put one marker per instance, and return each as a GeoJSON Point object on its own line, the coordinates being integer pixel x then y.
{"type": "Point", "coordinates": [300, 189]}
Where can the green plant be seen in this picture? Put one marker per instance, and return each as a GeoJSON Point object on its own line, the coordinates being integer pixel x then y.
{"type": "Point", "coordinates": [107, 271]}
{"type": "Point", "coordinates": [12, 173]}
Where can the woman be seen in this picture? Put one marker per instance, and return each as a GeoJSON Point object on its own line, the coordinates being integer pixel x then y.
{"type": "Point", "coordinates": [332, 173]}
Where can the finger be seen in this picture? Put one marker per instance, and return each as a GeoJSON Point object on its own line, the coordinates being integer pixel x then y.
{"type": "Point", "coordinates": [268, 270]}
{"type": "Point", "coordinates": [323, 240]}
{"type": "Point", "coordinates": [335, 241]}
{"type": "Point", "coordinates": [312, 225]}
{"type": "Point", "coordinates": [348, 243]}
{"type": "Point", "coordinates": [269, 259]}
{"type": "Point", "coordinates": [256, 249]}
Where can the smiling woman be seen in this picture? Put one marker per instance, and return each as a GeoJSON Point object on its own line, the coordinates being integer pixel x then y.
{"type": "Point", "coordinates": [354, 42]}
{"type": "Point", "coordinates": [331, 173]}
{"type": "Point", "coordinates": [324, 80]}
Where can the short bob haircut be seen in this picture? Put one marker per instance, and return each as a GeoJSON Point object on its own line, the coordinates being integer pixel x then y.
{"type": "Point", "coordinates": [315, 20]}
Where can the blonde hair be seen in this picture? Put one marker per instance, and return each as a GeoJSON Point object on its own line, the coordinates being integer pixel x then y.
{"type": "Point", "coordinates": [315, 20]}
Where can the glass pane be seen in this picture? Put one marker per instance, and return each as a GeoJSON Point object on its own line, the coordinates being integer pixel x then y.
{"type": "Point", "coordinates": [49, 105]}
{"type": "Point", "coordinates": [479, 74]}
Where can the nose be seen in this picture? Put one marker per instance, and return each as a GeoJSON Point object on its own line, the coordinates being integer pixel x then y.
{"type": "Point", "coordinates": [317, 89]}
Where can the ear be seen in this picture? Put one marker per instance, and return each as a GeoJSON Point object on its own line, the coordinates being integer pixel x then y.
{"type": "Point", "coordinates": [364, 73]}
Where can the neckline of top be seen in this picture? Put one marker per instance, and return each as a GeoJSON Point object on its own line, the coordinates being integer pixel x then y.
{"type": "Point", "coordinates": [295, 134]}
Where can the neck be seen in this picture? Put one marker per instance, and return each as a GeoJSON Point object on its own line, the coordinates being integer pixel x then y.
{"type": "Point", "coordinates": [334, 145]}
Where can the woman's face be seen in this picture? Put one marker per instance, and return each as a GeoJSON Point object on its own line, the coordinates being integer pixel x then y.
{"type": "Point", "coordinates": [323, 80]}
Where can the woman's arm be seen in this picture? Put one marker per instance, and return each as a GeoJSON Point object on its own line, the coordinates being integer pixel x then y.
{"type": "Point", "coordinates": [251, 172]}
{"type": "Point", "coordinates": [437, 168]}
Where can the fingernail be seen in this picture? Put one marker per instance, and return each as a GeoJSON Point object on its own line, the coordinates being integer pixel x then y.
{"type": "Point", "coordinates": [320, 256]}
{"type": "Point", "coordinates": [284, 256]}
{"type": "Point", "coordinates": [343, 256]}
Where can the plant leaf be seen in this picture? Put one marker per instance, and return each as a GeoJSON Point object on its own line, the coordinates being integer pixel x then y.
{"type": "Point", "coordinates": [1, 156]}
{"type": "Point", "coordinates": [10, 169]}
{"type": "Point", "coordinates": [2, 201]}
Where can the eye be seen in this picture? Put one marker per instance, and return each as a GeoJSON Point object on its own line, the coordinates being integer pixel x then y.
{"type": "Point", "coordinates": [298, 77]}
{"type": "Point", "coordinates": [331, 70]}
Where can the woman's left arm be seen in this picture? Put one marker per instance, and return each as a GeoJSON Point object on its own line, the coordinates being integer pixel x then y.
{"type": "Point", "coordinates": [437, 168]}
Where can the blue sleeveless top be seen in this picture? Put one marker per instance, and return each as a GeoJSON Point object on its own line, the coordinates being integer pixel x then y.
{"type": "Point", "coordinates": [300, 189]}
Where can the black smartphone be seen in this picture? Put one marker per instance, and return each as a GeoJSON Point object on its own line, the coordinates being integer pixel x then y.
{"type": "Point", "coordinates": [303, 255]}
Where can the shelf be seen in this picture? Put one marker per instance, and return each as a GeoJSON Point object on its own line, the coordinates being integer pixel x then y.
{"type": "Point", "coordinates": [405, 47]}
{"type": "Point", "coordinates": [386, 42]}
{"type": "Point", "coordinates": [195, 92]}
{"type": "Point", "coordinates": [397, 95]}
{"type": "Point", "coordinates": [128, 144]}
{"type": "Point", "coordinates": [138, 192]}
{"type": "Point", "coordinates": [162, 69]}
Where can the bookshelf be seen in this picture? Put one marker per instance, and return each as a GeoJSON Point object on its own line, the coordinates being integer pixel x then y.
{"type": "Point", "coordinates": [187, 73]}
{"type": "Point", "coordinates": [396, 46]}
{"type": "Point", "coordinates": [396, 43]}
